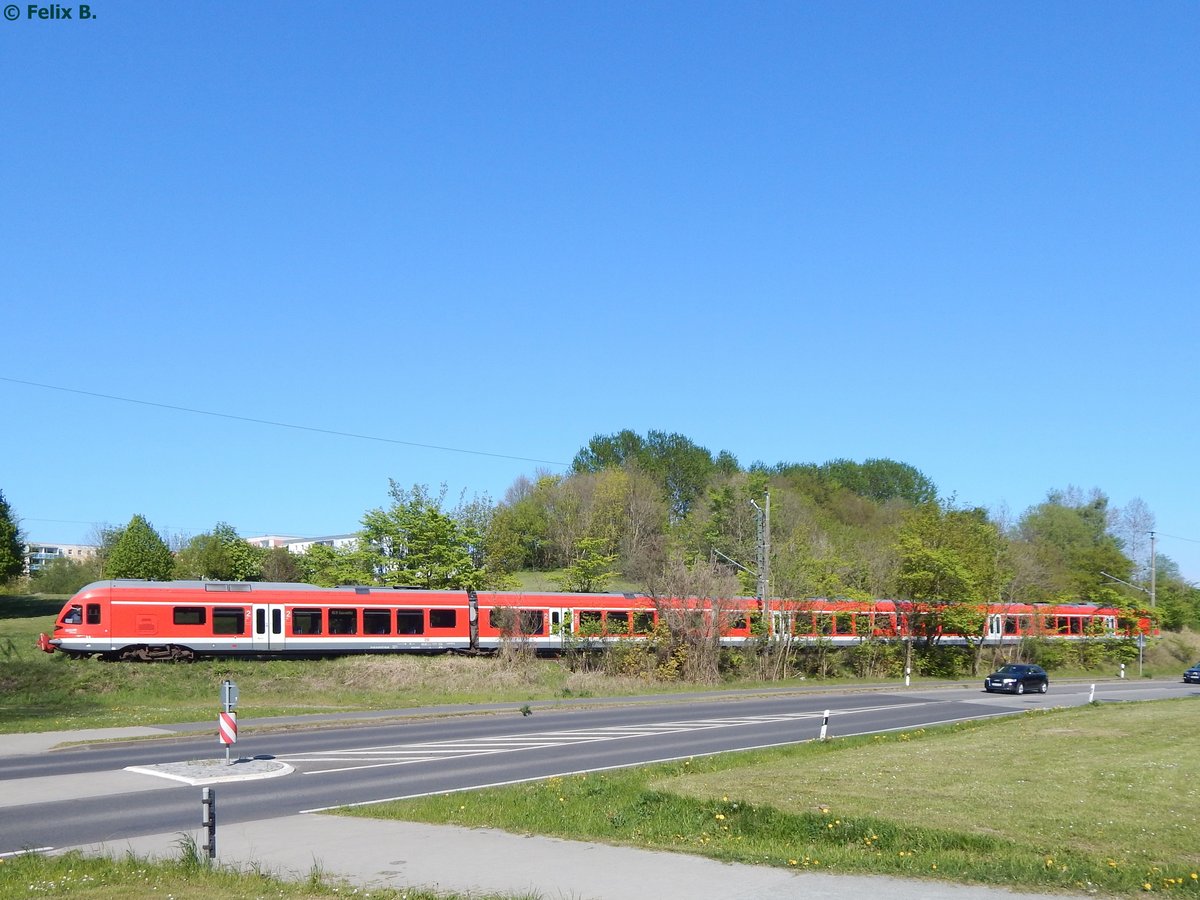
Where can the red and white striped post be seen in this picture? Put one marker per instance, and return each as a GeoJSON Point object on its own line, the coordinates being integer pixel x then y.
{"type": "Point", "coordinates": [227, 731]}
{"type": "Point", "coordinates": [227, 718]}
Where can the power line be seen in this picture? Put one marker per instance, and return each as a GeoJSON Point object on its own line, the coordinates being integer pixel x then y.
{"type": "Point", "coordinates": [345, 434]}
{"type": "Point", "coordinates": [1178, 538]}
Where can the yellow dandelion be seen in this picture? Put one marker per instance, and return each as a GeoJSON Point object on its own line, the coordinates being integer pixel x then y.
{"type": "Point", "coordinates": [792, 862]}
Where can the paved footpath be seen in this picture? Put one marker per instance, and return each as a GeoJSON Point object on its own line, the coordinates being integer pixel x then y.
{"type": "Point", "coordinates": [371, 853]}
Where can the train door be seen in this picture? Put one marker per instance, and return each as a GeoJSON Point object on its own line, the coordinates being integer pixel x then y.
{"type": "Point", "coordinates": [268, 627]}
{"type": "Point", "coordinates": [560, 627]}
{"type": "Point", "coordinates": [995, 626]}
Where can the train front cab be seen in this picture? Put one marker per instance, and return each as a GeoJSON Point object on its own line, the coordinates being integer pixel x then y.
{"type": "Point", "coordinates": [84, 625]}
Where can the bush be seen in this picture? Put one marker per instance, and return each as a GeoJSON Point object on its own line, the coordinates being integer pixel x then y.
{"type": "Point", "coordinates": [65, 576]}
{"type": "Point", "coordinates": [942, 662]}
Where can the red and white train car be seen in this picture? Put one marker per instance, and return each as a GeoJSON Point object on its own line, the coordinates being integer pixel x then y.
{"type": "Point", "coordinates": [185, 619]}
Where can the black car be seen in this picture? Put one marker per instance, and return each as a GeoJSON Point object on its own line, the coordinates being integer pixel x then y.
{"type": "Point", "coordinates": [1192, 675]}
{"type": "Point", "coordinates": [1017, 678]}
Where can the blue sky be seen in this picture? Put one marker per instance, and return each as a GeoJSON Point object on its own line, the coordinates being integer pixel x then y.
{"type": "Point", "coordinates": [959, 235]}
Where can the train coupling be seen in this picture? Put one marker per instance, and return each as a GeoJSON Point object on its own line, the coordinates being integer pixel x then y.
{"type": "Point", "coordinates": [45, 644]}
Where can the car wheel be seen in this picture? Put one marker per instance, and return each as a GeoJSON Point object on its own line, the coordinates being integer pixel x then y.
{"type": "Point", "coordinates": [1020, 687]}
{"type": "Point", "coordinates": [1045, 687]}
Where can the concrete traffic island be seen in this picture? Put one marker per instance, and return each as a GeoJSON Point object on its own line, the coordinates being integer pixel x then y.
{"type": "Point", "coordinates": [216, 771]}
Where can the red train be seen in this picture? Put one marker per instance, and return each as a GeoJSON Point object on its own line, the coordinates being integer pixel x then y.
{"type": "Point", "coordinates": [185, 619]}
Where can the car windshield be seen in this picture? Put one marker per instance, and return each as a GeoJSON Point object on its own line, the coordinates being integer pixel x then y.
{"type": "Point", "coordinates": [1011, 670]}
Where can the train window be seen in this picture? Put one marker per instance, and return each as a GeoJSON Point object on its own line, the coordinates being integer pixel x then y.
{"type": "Point", "coordinates": [74, 616]}
{"type": "Point", "coordinates": [1010, 624]}
{"type": "Point", "coordinates": [190, 615]}
{"type": "Point", "coordinates": [229, 620]}
{"type": "Point", "coordinates": [533, 621]}
{"type": "Point", "coordinates": [824, 623]}
{"type": "Point", "coordinates": [591, 621]}
{"type": "Point", "coordinates": [260, 621]}
{"type": "Point", "coordinates": [502, 618]}
{"type": "Point", "coordinates": [412, 621]}
{"type": "Point", "coordinates": [343, 621]}
{"type": "Point", "coordinates": [844, 623]}
{"type": "Point", "coordinates": [443, 618]}
{"type": "Point", "coordinates": [736, 622]}
{"type": "Point", "coordinates": [306, 621]}
{"type": "Point", "coordinates": [643, 622]}
{"type": "Point", "coordinates": [377, 621]}
{"type": "Point", "coordinates": [93, 613]}
{"type": "Point", "coordinates": [618, 623]}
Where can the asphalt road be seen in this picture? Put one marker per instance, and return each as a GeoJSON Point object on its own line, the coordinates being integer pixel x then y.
{"type": "Point", "coordinates": [86, 798]}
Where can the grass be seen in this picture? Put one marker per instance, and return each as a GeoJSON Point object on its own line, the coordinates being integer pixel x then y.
{"type": "Point", "coordinates": [187, 878]}
{"type": "Point", "coordinates": [1096, 798]}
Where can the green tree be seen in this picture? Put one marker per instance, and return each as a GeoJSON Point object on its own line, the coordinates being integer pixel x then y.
{"type": "Point", "coordinates": [220, 555]}
{"type": "Point", "coordinates": [881, 480]}
{"type": "Point", "coordinates": [1071, 541]}
{"type": "Point", "coordinates": [12, 556]}
{"type": "Point", "coordinates": [681, 467]}
{"type": "Point", "coordinates": [592, 569]}
{"type": "Point", "coordinates": [950, 565]}
{"type": "Point", "coordinates": [281, 565]}
{"type": "Point", "coordinates": [65, 576]}
{"type": "Point", "coordinates": [331, 566]}
{"type": "Point", "coordinates": [139, 552]}
{"type": "Point", "coordinates": [414, 542]}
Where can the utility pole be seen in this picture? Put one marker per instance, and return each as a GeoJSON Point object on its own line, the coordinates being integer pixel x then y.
{"type": "Point", "coordinates": [1152, 572]}
{"type": "Point", "coordinates": [763, 588]}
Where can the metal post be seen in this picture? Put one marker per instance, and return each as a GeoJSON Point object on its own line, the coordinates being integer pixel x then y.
{"type": "Point", "coordinates": [763, 550]}
{"type": "Point", "coordinates": [1092, 695]}
{"type": "Point", "coordinates": [1152, 572]}
{"type": "Point", "coordinates": [208, 820]}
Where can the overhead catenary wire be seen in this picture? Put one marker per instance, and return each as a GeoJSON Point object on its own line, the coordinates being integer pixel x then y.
{"type": "Point", "coordinates": [274, 424]}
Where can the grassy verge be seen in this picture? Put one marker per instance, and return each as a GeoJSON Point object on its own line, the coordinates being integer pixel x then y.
{"type": "Point", "coordinates": [187, 878]}
{"type": "Point", "coordinates": [1098, 798]}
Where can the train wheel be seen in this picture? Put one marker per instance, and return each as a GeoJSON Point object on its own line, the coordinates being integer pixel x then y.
{"type": "Point", "coordinates": [1020, 687]}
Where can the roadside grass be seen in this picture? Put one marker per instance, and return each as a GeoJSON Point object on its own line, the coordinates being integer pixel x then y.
{"type": "Point", "coordinates": [189, 877]}
{"type": "Point", "coordinates": [1096, 798]}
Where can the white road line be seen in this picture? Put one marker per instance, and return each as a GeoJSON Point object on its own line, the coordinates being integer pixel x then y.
{"type": "Point", "coordinates": [648, 762]}
{"type": "Point", "coordinates": [407, 754]}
